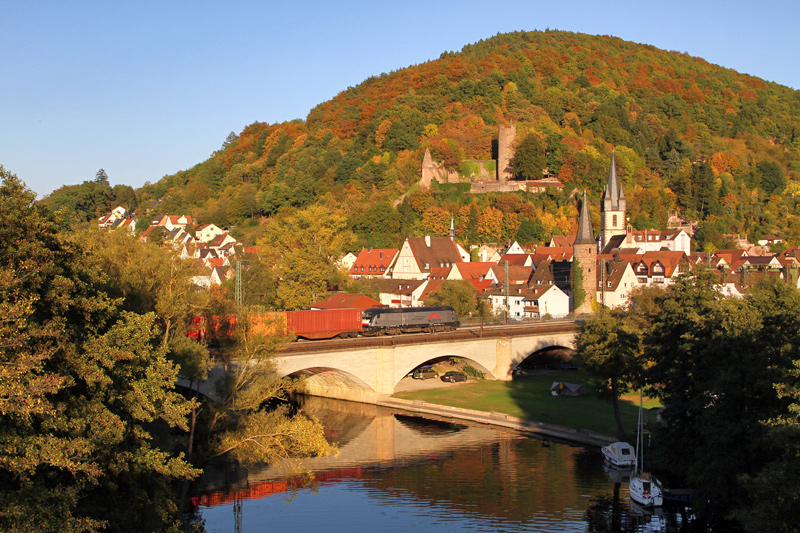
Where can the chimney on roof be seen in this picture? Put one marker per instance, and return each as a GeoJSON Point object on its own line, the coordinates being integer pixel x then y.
{"type": "Point", "coordinates": [428, 241]}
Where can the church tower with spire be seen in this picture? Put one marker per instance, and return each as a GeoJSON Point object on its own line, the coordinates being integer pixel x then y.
{"type": "Point", "coordinates": [585, 258]}
{"type": "Point", "coordinates": [612, 208]}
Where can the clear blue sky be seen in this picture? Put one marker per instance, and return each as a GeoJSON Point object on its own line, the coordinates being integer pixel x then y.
{"type": "Point", "coordinates": [147, 88]}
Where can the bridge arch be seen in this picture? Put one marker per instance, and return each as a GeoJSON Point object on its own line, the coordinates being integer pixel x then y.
{"type": "Point", "coordinates": [369, 373]}
{"type": "Point", "coordinates": [333, 383]}
{"type": "Point", "coordinates": [548, 357]}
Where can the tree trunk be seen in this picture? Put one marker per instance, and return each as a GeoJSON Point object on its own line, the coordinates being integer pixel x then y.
{"type": "Point", "coordinates": [617, 415]}
{"type": "Point", "coordinates": [189, 452]}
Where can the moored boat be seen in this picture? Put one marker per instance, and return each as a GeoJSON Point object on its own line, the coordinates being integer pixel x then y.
{"type": "Point", "coordinates": [644, 488]}
{"type": "Point", "coordinates": [619, 454]}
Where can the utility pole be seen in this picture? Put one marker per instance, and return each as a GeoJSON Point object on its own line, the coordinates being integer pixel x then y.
{"type": "Point", "coordinates": [603, 281]}
{"type": "Point", "coordinates": [240, 284]}
{"type": "Point", "coordinates": [506, 289]}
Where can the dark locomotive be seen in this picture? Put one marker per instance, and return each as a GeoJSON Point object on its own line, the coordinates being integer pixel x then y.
{"type": "Point", "coordinates": [392, 320]}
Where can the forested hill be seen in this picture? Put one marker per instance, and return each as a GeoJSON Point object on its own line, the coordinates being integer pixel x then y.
{"type": "Point", "coordinates": [716, 145]}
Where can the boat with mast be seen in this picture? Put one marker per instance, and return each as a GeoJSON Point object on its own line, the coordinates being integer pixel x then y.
{"type": "Point", "coordinates": [644, 488]}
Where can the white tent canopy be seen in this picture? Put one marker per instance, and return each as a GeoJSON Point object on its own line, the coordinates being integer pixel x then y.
{"type": "Point", "coordinates": [563, 388]}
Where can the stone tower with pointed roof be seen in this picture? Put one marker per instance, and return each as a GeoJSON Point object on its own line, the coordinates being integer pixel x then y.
{"type": "Point", "coordinates": [612, 208]}
{"type": "Point", "coordinates": [585, 257]}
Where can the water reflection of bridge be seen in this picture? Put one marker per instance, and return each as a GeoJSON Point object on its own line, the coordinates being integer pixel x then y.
{"type": "Point", "coordinates": [368, 437]}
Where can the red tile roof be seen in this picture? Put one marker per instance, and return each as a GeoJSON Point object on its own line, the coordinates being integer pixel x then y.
{"type": "Point", "coordinates": [342, 300]}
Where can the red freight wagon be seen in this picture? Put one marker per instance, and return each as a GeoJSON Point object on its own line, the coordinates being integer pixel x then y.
{"type": "Point", "coordinates": [324, 323]}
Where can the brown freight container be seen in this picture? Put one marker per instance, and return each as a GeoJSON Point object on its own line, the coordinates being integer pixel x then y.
{"type": "Point", "coordinates": [324, 323]}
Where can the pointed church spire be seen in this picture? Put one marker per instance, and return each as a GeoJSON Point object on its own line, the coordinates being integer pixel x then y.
{"type": "Point", "coordinates": [613, 197]}
{"type": "Point", "coordinates": [585, 233]}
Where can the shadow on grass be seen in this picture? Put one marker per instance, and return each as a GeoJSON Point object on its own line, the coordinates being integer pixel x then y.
{"type": "Point", "coordinates": [530, 397]}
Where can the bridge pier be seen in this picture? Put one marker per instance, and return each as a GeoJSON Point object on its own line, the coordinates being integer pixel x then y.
{"type": "Point", "coordinates": [504, 359]}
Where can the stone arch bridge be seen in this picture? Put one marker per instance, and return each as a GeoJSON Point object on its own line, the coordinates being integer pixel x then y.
{"type": "Point", "coordinates": [370, 373]}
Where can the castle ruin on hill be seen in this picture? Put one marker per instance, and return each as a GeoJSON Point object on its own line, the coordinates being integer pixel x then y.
{"type": "Point", "coordinates": [488, 175]}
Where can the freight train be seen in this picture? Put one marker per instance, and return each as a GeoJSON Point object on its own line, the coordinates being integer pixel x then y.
{"type": "Point", "coordinates": [331, 323]}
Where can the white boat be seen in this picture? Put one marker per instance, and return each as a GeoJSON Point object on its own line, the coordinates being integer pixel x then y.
{"type": "Point", "coordinates": [644, 488]}
{"type": "Point", "coordinates": [619, 454]}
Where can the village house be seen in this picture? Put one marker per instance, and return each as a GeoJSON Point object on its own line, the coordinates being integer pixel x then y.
{"type": "Point", "coordinates": [207, 232]}
{"type": "Point", "coordinates": [615, 281]}
{"type": "Point", "coordinates": [346, 261]}
{"type": "Point", "coordinates": [544, 301]}
{"type": "Point", "coordinates": [171, 222]}
{"type": "Point", "coordinates": [480, 275]}
{"type": "Point", "coordinates": [373, 263]}
{"type": "Point", "coordinates": [116, 215]}
{"type": "Point", "coordinates": [648, 240]}
{"type": "Point", "coordinates": [342, 300]}
{"type": "Point", "coordinates": [487, 254]}
{"type": "Point", "coordinates": [657, 268]}
{"type": "Point", "coordinates": [400, 292]}
{"type": "Point", "coordinates": [419, 255]}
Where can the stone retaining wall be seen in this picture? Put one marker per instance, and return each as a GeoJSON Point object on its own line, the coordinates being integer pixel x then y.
{"type": "Point", "coordinates": [541, 429]}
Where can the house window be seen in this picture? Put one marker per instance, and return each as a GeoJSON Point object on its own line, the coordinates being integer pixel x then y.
{"type": "Point", "coordinates": [609, 284]}
{"type": "Point", "coordinates": [614, 221]}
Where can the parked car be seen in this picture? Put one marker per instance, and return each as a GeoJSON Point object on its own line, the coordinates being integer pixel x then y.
{"type": "Point", "coordinates": [424, 373]}
{"type": "Point", "coordinates": [454, 377]}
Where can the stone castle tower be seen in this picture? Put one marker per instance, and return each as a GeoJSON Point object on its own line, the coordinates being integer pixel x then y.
{"type": "Point", "coordinates": [612, 208]}
{"type": "Point", "coordinates": [585, 257]}
{"type": "Point", "coordinates": [506, 147]}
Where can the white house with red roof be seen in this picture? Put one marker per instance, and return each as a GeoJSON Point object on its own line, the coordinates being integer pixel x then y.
{"type": "Point", "coordinates": [111, 218]}
{"type": "Point", "coordinates": [373, 263]}
{"type": "Point", "coordinates": [419, 255]}
{"type": "Point", "coordinates": [481, 275]}
{"type": "Point", "coordinates": [170, 222]}
{"type": "Point", "coordinates": [400, 292]}
{"type": "Point", "coordinates": [207, 232]}
{"type": "Point", "coordinates": [615, 281]}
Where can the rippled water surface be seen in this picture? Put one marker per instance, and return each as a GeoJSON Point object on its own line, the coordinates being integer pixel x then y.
{"type": "Point", "coordinates": [397, 472]}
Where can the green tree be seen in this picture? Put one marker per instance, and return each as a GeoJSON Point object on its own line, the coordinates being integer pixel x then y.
{"type": "Point", "coordinates": [238, 425]}
{"type": "Point", "coordinates": [460, 294]}
{"type": "Point", "coordinates": [609, 346]}
{"type": "Point", "coordinates": [101, 177]}
{"type": "Point", "coordinates": [774, 490]}
{"type": "Point", "coordinates": [578, 292]}
{"type": "Point", "coordinates": [772, 179]}
{"type": "Point", "coordinates": [81, 384]}
{"type": "Point", "coordinates": [530, 232]}
{"type": "Point", "coordinates": [714, 362]}
{"type": "Point", "coordinates": [304, 248]}
{"type": "Point", "coordinates": [705, 190]}
{"type": "Point", "coordinates": [529, 158]}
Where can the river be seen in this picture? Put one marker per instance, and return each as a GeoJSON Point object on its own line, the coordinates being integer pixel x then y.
{"type": "Point", "coordinates": [396, 472]}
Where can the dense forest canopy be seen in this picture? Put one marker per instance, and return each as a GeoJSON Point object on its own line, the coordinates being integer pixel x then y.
{"type": "Point", "coordinates": [717, 146]}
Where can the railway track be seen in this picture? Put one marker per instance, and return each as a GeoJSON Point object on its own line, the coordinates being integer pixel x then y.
{"type": "Point", "coordinates": [463, 333]}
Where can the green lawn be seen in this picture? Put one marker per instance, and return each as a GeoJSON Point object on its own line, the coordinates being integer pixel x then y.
{"type": "Point", "coordinates": [529, 397]}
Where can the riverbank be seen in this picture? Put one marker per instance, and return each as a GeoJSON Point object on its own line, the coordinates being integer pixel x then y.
{"type": "Point", "coordinates": [584, 437]}
{"type": "Point", "coordinates": [525, 404]}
